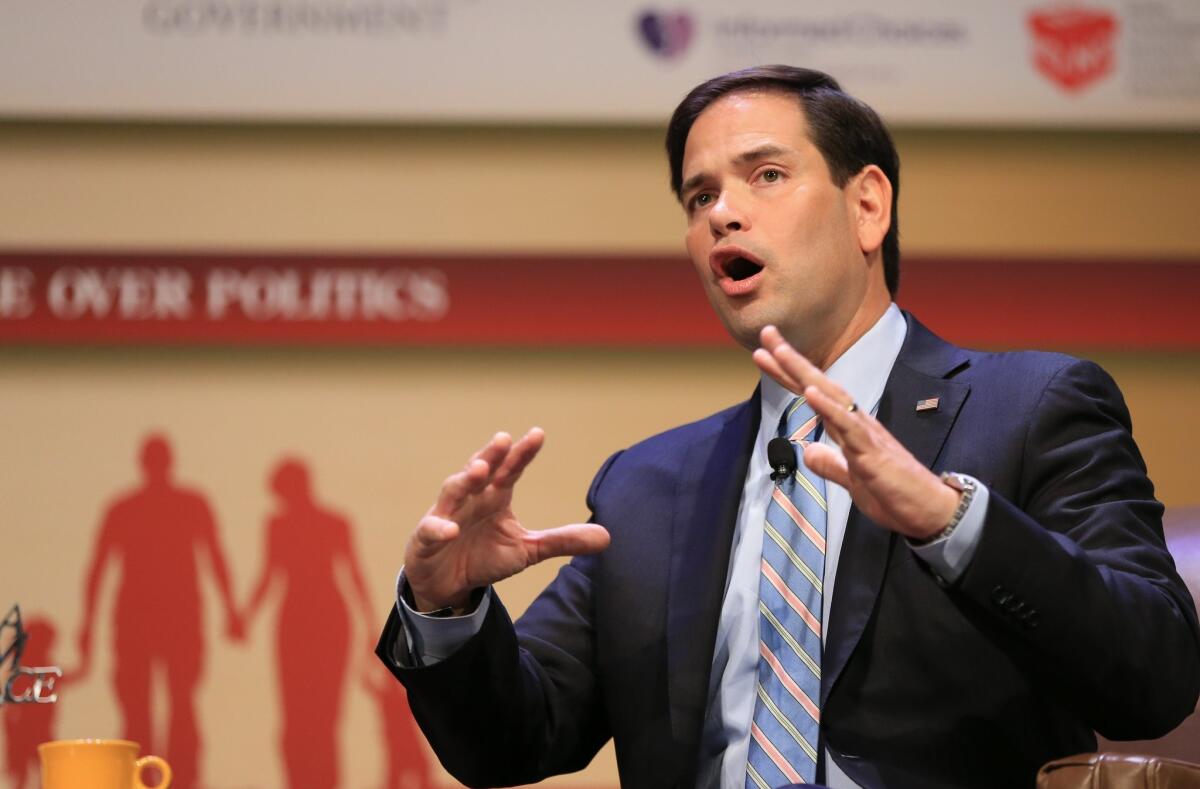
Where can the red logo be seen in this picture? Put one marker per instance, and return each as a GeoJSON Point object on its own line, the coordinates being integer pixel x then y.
{"type": "Point", "coordinates": [1073, 45]}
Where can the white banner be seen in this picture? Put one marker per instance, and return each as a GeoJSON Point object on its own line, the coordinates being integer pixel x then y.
{"type": "Point", "coordinates": [929, 62]}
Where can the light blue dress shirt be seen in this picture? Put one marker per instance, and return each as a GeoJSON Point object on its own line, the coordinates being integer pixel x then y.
{"type": "Point", "coordinates": [862, 371]}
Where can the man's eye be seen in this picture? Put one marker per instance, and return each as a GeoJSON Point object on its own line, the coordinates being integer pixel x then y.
{"type": "Point", "coordinates": [702, 199]}
{"type": "Point", "coordinates": [770, 176]}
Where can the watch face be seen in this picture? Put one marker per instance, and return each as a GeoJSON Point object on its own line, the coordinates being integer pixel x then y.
{"type": "Point", "coordinates": [953, 480]}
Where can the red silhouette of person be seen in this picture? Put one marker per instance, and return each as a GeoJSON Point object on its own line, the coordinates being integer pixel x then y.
{"type": "Point", "coordinates": [158, 531]}
{"type": "Point", "coordinates": [26, 725]}
{"type": "Point", "coordinates": [407, 763]}
{"type": "Point", "coordinates": [308, 549]}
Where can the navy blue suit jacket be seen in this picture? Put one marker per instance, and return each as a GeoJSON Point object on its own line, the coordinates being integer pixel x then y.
{"type": "Point", "coordinates": [1070, 618]}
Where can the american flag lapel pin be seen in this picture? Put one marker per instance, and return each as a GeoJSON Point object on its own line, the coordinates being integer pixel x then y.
{"type": "Point", "coordinates": [928, 404]}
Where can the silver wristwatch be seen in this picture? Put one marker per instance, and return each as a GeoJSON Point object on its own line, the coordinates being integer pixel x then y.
{"type": "Point", "coordinates": [966, 488]}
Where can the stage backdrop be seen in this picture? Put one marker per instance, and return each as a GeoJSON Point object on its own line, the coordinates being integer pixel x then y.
{"type": "Point", "coordinates": [368, 428]}
{"type": "Point", "coordinates": [205, 534]}
{"type": "Point", "coordinates": [1033, 62]}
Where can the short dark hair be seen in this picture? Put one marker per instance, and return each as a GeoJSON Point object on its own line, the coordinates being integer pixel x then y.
{"type": "Point", "coordinates": [849, 134]}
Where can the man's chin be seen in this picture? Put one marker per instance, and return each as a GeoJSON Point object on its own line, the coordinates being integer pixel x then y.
{"type": "Point", "coordinates": [748, 333]}
{"type": "Point", "coordinates": [744, 321]}
{"type": "Point", "coordinates": [744, 333]}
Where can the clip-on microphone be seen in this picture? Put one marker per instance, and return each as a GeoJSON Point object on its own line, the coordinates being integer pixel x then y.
{"type": "Point", "coordinates": [782, 457]}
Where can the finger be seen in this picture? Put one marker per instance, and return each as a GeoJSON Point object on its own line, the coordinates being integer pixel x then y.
{"type": "Point", "coordinates": [434, 532]}
{"type": "Point", "coordinates": [770, 337]}
{"type": "Point", "coordinates": [457, 487]}
{"type": "Point", "coordinates": [474, 477]}
{"type": "Point", "coordinates": [494, 451]}
{"type": "Point", "coordinates": [791, 361]}
{"type": "Point", "coordinates": [849, 429]}
{"type": "Point", "coordinates": [572, 540]}
{"type": "Point", "coordinates": [794, 364]}
{"type": "Point", "coordinates": [521, 455]}
{"type": "Point", "coordinates": [769, 365]}
{"type": "Point", "coordinates": [794, 377]}
{"type": "Point", "coordinates": [828, 463]}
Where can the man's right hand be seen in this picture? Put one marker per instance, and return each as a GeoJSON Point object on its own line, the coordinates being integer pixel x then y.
{"type": "Point", "coordinates": [470, 537]}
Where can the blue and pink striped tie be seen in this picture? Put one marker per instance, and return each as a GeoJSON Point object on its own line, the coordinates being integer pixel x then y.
{"type": "Point", "coordinates": [784, 733]}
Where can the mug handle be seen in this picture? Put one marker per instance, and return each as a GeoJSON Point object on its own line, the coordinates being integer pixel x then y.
{"type": "Point", "coordinates": [146, 761]}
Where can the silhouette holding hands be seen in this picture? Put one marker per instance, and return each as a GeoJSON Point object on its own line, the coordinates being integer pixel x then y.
{"type": "Point", "coordinates": [308, 547]}
{"type": "Point", "coordinates": [156, 533]}
{"type": "Point", "coordinates": [471, 538]}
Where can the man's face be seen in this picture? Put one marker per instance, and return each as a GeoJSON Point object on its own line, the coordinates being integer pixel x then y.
{"type": "Point", "coordinates": [773, 239]}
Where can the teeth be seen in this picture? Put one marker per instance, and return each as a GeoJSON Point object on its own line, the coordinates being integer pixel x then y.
{"type": "Point", "coordinates": [740, 268]}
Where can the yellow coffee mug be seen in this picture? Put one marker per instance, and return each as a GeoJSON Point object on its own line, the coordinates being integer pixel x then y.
{"type": "Point", "coordinates": [98, 764]}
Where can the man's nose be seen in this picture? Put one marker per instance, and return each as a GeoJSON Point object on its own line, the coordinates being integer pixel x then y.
{"type": "Point", "coordinates": [727, 216]}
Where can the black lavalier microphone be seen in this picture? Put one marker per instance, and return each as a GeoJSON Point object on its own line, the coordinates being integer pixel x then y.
{"type": "Point", "coordinates": [782, 457]}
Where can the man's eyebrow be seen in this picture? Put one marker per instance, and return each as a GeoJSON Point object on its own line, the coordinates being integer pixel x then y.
{"type": "Point", "coordinates": [766, 151]}
{"type": "Point", "coordinates": [761, 152]}
{"type": "Point", "coordinates": [692, 183]}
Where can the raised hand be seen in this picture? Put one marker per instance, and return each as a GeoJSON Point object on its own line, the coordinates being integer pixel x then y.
{"type": "Point", "coordinates": [886, 482]}
{"type": "Point", "coordinates": [470, 537]}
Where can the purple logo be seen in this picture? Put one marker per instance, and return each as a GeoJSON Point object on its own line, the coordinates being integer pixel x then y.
{"type": "Point", "coordinates": [667, 34]}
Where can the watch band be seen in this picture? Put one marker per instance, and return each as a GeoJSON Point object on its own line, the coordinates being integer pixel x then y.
{"type": "Point", "coordinates": [966, 488]}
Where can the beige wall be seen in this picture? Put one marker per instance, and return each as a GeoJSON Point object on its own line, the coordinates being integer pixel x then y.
{"type": "Point", "coordinates": [491, 189]}
{"type": "Point", "coordinates": [382, 427]}
{"type": "Point", "coordinates": [379, 429]}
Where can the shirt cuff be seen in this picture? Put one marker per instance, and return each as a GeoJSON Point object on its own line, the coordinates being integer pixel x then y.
{"type": "Point", "coordinates": [432, 639]}
{"type": "Point", "coordinates": [950, 556]}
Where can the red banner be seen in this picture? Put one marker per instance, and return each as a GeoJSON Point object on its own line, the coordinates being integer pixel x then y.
{"type": "Point", "coordinates": [86, 298]}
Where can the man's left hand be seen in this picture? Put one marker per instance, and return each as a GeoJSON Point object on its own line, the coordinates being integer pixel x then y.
{"type": "Point", "coordinates": [888, 484]}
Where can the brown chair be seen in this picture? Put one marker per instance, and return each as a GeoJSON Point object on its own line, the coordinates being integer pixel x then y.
{"type": "Point", "coordinates": [1118, 771]}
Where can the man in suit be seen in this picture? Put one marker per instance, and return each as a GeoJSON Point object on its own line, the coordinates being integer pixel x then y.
{"type": "Point", "coordinates": [974, 624]}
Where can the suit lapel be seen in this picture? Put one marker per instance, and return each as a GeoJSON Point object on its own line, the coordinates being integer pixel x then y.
{"type": "Point", "coordinates": [706, 506]}
{"type": "Point", "coordinates": [921, 372]}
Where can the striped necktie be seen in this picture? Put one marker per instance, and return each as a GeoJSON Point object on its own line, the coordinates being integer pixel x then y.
{"type": "Point", "coordinates": [784, 733]}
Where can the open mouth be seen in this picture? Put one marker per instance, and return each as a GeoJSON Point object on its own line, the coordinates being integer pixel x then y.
{"type": "Point", "coordinates": [739, 268]}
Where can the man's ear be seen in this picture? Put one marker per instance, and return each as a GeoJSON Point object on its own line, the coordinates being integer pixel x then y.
{"type": "Point", "coordinates": [871, 196]}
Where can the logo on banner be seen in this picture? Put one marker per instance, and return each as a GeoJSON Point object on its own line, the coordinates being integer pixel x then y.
{"type": "Point", "coordinates": [666, 34]}
{"type": "Point", "coordinates": [1073, 44]}
{"type": "Point", "coordinates": [37, 682]}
